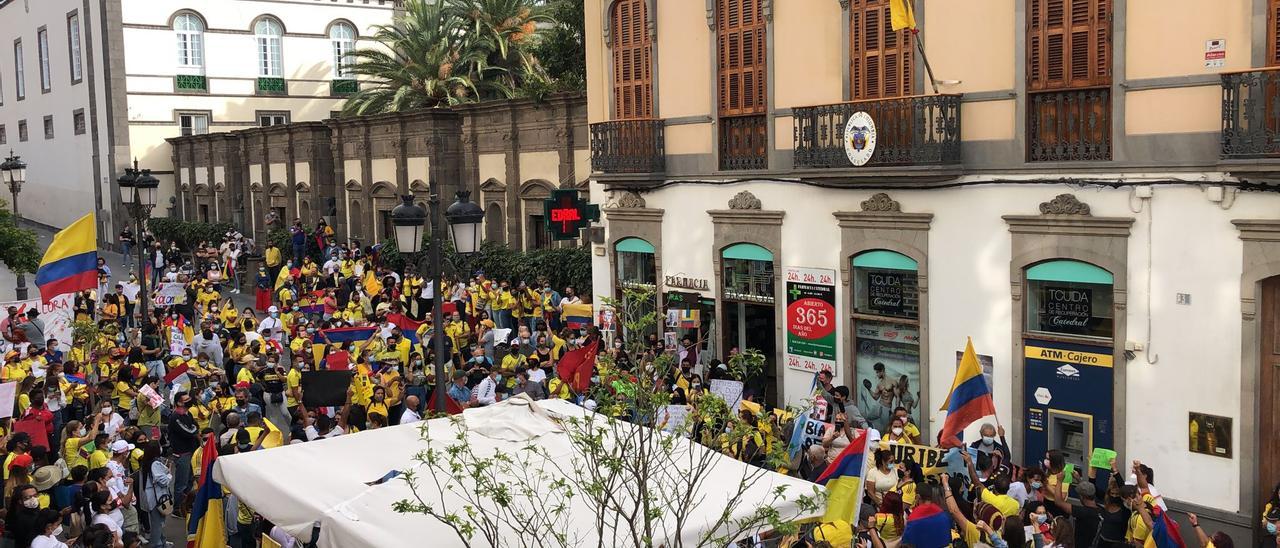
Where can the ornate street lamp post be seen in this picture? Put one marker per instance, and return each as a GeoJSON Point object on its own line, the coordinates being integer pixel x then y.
{"type": "Point", "coordinates": [14, 172]}
{"type": "Point", "coordinates": [138, 192]}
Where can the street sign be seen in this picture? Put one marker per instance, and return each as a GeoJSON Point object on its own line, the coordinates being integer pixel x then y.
{"type": "Point", "coordinates": [566, 214]}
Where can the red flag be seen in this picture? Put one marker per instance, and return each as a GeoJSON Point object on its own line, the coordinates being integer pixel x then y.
{"type": "Point", "coordinates": [338, 360]}
{"type": "Point", "coordinates": [577, 366]}
{"type": "Point", "coordinates": [207, 455]}
{"type": "Point", "coordinates": [405, 324]}
{"type": "Point", "coordinates": [451, 407]}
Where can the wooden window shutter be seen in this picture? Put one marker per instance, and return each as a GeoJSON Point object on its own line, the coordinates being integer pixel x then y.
{"type": "Point", "coordinates": [632, 60]}
{"type": "Point", "coordinates": [1068, 44]}
{"type": "Point", "coordinates": [881, 61]}
{"type": "Point", "coordinates": [740, 44]}
{"type": "Point", "coordinates": [1273, 32]}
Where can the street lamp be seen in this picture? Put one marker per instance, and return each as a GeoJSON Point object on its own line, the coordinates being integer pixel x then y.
{"type": "Point", "coordinates": [138, 192]}
{"type": "Point", "coordinates": [464, 219]}
{"type": "Point", "coordinates": [14, 172]}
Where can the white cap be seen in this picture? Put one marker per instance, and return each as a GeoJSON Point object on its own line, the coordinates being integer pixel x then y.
{"type": "Point", "coordinates": [273, 309]}
{"type": "Point", "coordinates": [121, 446]}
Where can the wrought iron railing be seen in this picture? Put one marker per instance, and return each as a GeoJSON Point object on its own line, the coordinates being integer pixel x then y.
{"type": "Point", "coordinates": [748, 280]}
{"type": "Point", "coordinates": [1251, 114]}
{"type": "Point", "coordinates": [271, 85]}
{"type": "Point", "coordinates": [919, 130]}
{"type": "Point", "coordinates": [344, 87]}
{"type": "Point", "coordinates": [191, 82]}
{"type": "Point", "coordinates": [1069, 125]}
{"type": "Point", "coordinates": [628, 146]}
{"type": "Point", "coordinates": [744, 142]}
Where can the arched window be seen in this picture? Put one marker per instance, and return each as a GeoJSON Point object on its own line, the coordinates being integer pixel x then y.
{"type": "Point", "coordinates": [632, 60]}
{"type": "Point", "coordinates": [190, 33]}
{"type": "Point", "coordinates": [747, 273]}
{"type": "Point", "coordinates": [270, 58]}
{"type": "Point", "coordinates": [1068, 297]}
{"type": "Point", "coordinates": [635, 258]}
{"type": "Point", "coordinates": [343, 38]}
{"type": "Point", "coordinates": [886, 334]}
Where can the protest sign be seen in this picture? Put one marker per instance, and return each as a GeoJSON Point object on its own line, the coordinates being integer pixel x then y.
{"type": "Point", "coordinates": [57, 316]}
{"type": "Point", "coordinates": [1101, 458]}
{"type": "Point", "coordinates": [177, 342]}
{"type": "Point", "coordinates": [674, 417]}
{"type": "Point", "coordinates": [955, 462]}
{"type": "Point", "coordinates": [170, 293]}
{"type": "Point", "coordinates": [729, 390]}
{"type": "Point", "coordinates": [8, 393]}
{"type": "Point", "coordinates": [147, 393]}
{"type": "Point", "coordinates": [931, 459]}
{"type": "Point", "coordinates": [130, 290]}
{"type": "Point", "coordinates": [814, 431]}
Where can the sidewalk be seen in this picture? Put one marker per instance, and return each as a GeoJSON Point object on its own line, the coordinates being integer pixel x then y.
{"type": "Point", "coordinates": [9, 281]}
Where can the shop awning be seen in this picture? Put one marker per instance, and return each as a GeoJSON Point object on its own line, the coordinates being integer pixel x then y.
{"type": "Point", "coordinates": [1069, 271]}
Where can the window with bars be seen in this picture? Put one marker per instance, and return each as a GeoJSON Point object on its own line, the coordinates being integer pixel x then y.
{"type": "Point", "coordinates": [42, 48]}
{"type": "Point", "coordinates": [19, 67]}
{"type": "Point", "coordinates": [268, 119]}
{"type": "Point", "coordinates": [48, 127]}
{"type": "Point", "coordinates": [270, 57]}
{"type": "Point", "coordinates": [741, 83]}
{"type": "Point", "coordinates": [4, 135]}
{"type": "Point", "coordinates": [77, 121]}
{"type": "Point", "coordinates": [1068, 80]}
{"type": "Point", "coordinates": [632, 60]}
{"type": "Point", "coordinates": [342, 37]}
{"type": "Point", "coordinates": [881, 61]}
{"type": "Point", "coordinates": [73, 47]}
{"type": "Point", "coordinates": [1273, 32]}
{"type": "Point", "coordinates": [189, 31]}
{"type": "Point", "coordinates": [22, 131]}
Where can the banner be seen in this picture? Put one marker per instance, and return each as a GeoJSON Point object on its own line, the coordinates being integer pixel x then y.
{"type": "Point", "coordinates": [811, 319]}
{"type": "Point", "coordinates": [169, 294]}
{"type": "Point", "coordinates": [931, 459]}
{"type": "Point", "coordinates": [57, 316]}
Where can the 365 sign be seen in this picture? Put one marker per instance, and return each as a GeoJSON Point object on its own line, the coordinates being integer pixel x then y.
{"type": "Point", "coordinates": [811, 318]}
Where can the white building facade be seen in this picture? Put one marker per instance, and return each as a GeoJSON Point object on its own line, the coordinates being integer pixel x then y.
{"type": "Point", "coordinates": [97, 84]}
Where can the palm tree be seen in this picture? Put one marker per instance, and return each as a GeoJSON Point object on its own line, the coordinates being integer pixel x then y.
{"type": "Point", "coordinates": [447, 52]}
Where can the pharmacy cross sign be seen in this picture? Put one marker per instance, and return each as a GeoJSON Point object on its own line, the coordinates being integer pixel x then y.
{"type": "Point", "coordinates": [567, 213]}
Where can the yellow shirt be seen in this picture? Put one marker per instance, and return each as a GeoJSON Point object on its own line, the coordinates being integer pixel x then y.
{"type": "Point", "coordinates": [381, 409]}
{"type": "Point", "coordinates": [201, 415]}
{"type": "Point", "coordinates": [502, 300]}
{"type": "Point", "coordinates": [557, 388]}
{"type": "Point", "coordinates": [363, 388]}
{"type": "Point", "coordinates": [98, 458]}
{"type": "Point", "coordinates": [272, 256]}
{"type": "Point", "coordinates": [73, 391]}
{"type": "Point", "coordinates": [887, 527]}
{"type": "Point", "coordinates": [458, 331]}
{"type": "Point", "coordinates": [13, 372]}
{"type": "Point", "coordinates": [1138, 530]}
{"type": "Point", "coordinates": [511, 361]}
{"type": "Point", "coordinates": [293, 379]}
{"type": "Point", "coordinates": [244, 375]}
{"type": "Point", "coordinates": [1004, 503]}
{"type": "Point", "coordinates": [122, 395]}
{"type": "Point", "coordinates": [71, 453]}
{"type": "Point", "coordinates": [388, 379]}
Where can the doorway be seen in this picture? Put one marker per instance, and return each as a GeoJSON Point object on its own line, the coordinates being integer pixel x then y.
{"type": "Point", "coordinates": [751, 325]}
{"type": "Point", "coordinates": [1268, 385]}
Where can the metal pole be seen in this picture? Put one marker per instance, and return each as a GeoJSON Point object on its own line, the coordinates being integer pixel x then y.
{"type": "Point", "coordinates": [437, 296]}
{"type": "Point", "coordinates": [142, 269]}
{"type": "Point", "coordinates": [21, 290]}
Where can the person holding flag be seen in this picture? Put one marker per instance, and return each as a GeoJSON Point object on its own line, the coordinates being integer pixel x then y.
{"type": "Point", "coordinates": [70, 264]}
{"type": "Point", "coordinates": [969, 400]}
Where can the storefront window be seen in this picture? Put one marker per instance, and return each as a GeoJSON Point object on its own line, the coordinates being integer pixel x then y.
{"type": "Point", "coordinates": [886, 331]}
{"type": "Point", "coordinates": [636, 267]}
{"type": "Point", "coordinates": [1070, 298]}
{"type": "Point", "coordinates": [884, 284]}
{"type": "Point", "coordinates": [748, 273]}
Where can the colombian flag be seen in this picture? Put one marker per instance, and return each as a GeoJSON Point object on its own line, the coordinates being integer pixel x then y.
{"type": "Point", "coordinates": [343, 335]}
{"type": "Point", "coordinates": [576, 316]}
{"type": "Point", "coordinates": [843, 478]}
{"type": "Point", "coordinates": [207, 527]}
{"type": "Point", "coordinates": [1164, 531]}
{"type": "Point", "coordinates": [969, 400]}
{"type": "Point", "coordinates": [71, 262]}
{"type": "Point", "coordinates": [927, 525]}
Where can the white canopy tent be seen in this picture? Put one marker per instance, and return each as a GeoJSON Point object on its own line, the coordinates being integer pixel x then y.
{"type": "Point", "coordinates": [327, 481]}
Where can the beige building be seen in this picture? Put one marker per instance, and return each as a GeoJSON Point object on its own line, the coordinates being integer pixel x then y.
{"type": "Point", "coordinates": [1084, 188]}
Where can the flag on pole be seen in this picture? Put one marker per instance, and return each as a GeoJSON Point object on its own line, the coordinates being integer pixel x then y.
{"type": "Point", "coordinates": [901, 15]}
{"type": "Point", "coordinates": [576, 316]}
{"type": "Point", "coordinates": [207, 527]}
{"type": "Point", "coordinates": [577, 366]}
{"type": "Point", "coordinates": [969, 400]}
{"type": "Point", "coordinates": [843, 478]}
{"type": "Point", "coordinates": [1164, 531]}
{"type": "Point", "coordinates": [70, 264]}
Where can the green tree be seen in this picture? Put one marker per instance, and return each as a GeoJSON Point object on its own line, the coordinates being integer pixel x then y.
{"type": "Point", "coordinates": [19, 249]}
{"type": "Point", "coordinates": [561, 49]}
{"type": "Point", "coordinates": [448, 52]}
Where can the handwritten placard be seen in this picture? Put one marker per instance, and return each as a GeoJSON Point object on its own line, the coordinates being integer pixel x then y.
{"type": "Point", "coordinates": [729, 390]}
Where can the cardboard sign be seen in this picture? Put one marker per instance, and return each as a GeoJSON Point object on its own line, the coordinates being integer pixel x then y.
{"type": "Point", "coordinates": [130, 290]}
{"type": "Point", "coordinates": [729, 390]}
{"type": "Point", "coordinates": [57, 316]}
{"type": "Point", "coordinates": [931, 459]}
{"type": "Point", "coordinates": [814, 431]}
{"type": "Point", "coordinates": [8, 394]}
{"type": "Point", "coordinates": [169, 294]}
{"type": "Point", "coordinates": [674, 418]}
{"type": "Point", "coordinates": [177, 342]}
{"type": "Point", "coordinates": [1101, 458]}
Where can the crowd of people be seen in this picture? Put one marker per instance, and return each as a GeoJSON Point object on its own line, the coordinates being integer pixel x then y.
{"type": "Point", "coordinates": [104, 444]}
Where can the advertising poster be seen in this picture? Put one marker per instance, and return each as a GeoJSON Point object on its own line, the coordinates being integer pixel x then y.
{"type": "Point", "coordinates": [811, 319]}
{"type": "Point", "coordinates": [887, 361]}
{"type": "Point", "coordinates": [1209, 435]}
{"type": "Point", "coordinates": [57, 316]}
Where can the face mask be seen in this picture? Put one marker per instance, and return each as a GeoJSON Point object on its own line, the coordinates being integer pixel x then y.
{"type": "Point", "coordinates": [497, 378]}
{"type": "Point", "coordinates": [417, 362]}
{"type": "Point", "coordinates": [174, 316]}
{"type": "Point", "coordinates": [206, 333]}
{"type": "Point", "coordinates": [275, 314]}
{"type": "Point", "coordinates": [988, 440]}
{"type": "Point", "coordinates": [1041, 518]}
{"type": "Point", "coordinates": [81, 432]}
{"type": "Point", "coordinates": [1271, 528]}
{"type": "Point", "coordinates": [31, 503]}
{"type": "Point", "coordinates": [57, 531]}
{"type": "Point", "coordinates": [106, 410]}
{"type": "Point", "coordinates": [897, 430]}
{"type": "Point", "coordinates": [1036, 485]}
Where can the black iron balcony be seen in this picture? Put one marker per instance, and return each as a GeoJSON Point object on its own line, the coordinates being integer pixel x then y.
{"type": "Point", "coordinates": [1069, 125]}
{"type": "Point", "coordinates": [628, 146]}
{"type": "Point", "coordinates": [744, 142]}
{"type": "Point", "coordinates": [919, 130]}
{"type": "Point", "coordinates": [1251, 114]}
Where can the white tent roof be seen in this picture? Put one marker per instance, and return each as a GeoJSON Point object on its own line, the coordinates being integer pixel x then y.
{"type": "Point", "coordinates": [297, 485]}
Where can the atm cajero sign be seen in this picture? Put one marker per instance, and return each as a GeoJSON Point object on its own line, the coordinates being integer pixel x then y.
{"type": "Point", "coordinates": [1069, 356]}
